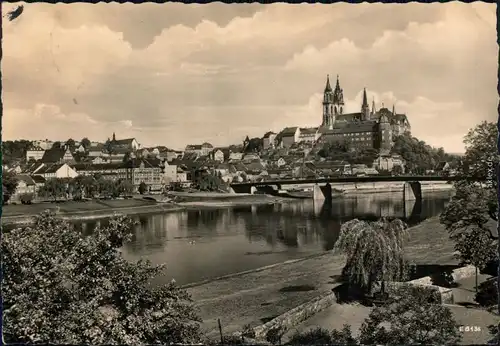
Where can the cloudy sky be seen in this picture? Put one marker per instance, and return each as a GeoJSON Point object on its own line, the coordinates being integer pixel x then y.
{"type": "Point", "coordinates": [174, 74]}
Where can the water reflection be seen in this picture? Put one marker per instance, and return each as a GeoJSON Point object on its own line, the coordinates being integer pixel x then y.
{"type": "Point", "coordinates": [201, 244]}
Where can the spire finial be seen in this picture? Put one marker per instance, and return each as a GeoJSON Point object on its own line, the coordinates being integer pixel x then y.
{"type": "Point", "coordinates": [328, 88]}
{"type": "Point", "coordinates": [365, 101]}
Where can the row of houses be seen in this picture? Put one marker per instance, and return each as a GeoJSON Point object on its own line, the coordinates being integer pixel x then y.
{"type": "Point", "coordinates": [291, 135]}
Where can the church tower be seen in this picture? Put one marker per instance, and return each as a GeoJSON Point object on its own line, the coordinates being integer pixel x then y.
{"type": "Point", "coordinates": [328, 117]}
{"type": "Point", "coordinates": [338, 99]}
{"type": "Point", "coordinates": [365, 108]}
{"type": "Point", "coordinates": [373, 107]}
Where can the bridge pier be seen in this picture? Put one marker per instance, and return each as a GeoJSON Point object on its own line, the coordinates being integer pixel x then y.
{"type": "Point", "coordinates": [322, 193]}
{"type": "Point", "coordinates": [409, 209]}
{"type": "Point", "coordinates": [412, 199]}
{"type": "Point", "coordinates": [412, 191]}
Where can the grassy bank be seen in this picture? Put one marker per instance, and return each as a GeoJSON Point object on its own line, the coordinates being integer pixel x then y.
{"type": "Point", "coordinates": [87, 210]}
{"type": "Point", "coordinates": [260, 295]}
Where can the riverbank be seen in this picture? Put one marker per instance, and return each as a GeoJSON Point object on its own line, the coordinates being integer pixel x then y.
{"type": "Point", "coordinates": [19, 215]}
{"type": "Point", "coordinates": [221, 200]}
{"type": "Point", "coordinates": [84, 211]}
{"type": "Point", "coordinates": [257, 296]}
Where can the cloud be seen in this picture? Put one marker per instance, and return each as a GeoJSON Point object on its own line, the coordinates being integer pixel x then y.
{"type": "Point", "coordinates": [219, 72]}
{"type": "Point", "coordinates": [57, 125]}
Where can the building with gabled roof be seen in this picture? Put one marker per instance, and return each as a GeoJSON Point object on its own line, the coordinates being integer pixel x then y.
{"type": "Point", "coordinates": [308, 134]}
{"type": "Point", "coordinates": [287, 137]}
{"type": "Point", "coordinates": [129, 143]}
{"type": "Point", "coordinates": [57, 155]}
{"type": "Point", "coordinates": [269, 140]}
{"type": "Point", "coordinates": [56, 170]}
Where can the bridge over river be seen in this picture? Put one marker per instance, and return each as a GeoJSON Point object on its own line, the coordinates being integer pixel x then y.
{"type": "Point", "coordinates": [322, 190]}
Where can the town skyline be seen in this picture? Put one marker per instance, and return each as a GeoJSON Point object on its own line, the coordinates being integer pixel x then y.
{"type": "Point", "coordinates": [216, 73]}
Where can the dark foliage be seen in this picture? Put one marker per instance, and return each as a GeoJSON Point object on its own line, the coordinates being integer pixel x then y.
{"type": "Point", "coordinates": [487, 294]}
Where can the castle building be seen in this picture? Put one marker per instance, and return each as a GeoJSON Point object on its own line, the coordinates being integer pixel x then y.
{"type": "Point", "coordinates": [366, 129]}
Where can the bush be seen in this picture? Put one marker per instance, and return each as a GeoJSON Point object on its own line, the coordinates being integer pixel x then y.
{"type": "Point", "coordinates": [414, 317]}
{"type": "Point", "coordinates": [143, 188]}
{"type": "Point", "coordinates": [487, 294]}
{"type": "Point", "coordinates": [344, 336]}
{"type": "Point", "coordinates": [226, 340]}
{"type": "Point", "coordinates": [63, 288]}
{"type": "Point", "coordinates": [26, 198]}
{"type": "Point", "coordinates": [248, 331]}
{"type": "Point", "coordinates": [274, 335]}
{"type": "Point", "coordinates": [317, 336]}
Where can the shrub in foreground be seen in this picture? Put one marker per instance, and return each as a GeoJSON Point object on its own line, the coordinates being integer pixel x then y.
{"type": "Point", "coordinates": [487, 294]}
{"type": "Point", "coordinates": [65, 288]}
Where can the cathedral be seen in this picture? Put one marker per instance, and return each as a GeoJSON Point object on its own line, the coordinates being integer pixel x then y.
{"type": "Point", "coordinates": [369, 128]}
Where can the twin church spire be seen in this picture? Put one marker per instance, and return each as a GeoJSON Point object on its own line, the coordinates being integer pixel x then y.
{"type": "Point", "coordinates": [333, 103]}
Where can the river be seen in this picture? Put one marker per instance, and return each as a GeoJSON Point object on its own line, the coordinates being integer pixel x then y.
{"type": "Point", "coordinates": [206, 243]}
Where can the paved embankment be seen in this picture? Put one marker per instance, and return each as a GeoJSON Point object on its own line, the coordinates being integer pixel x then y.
{"type": "Point", "coordinates": [257, 296]}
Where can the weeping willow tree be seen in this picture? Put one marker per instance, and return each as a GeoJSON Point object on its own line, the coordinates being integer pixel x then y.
{"type": "Point", "coordinates": [374, 252]}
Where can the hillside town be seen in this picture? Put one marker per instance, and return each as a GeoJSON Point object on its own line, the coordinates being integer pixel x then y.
{"type": "Point", "coordinates": [344, 144]}
{"type": "Point", "coordinates": [259, 174]}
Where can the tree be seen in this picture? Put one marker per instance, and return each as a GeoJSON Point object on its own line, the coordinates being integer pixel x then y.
{"type": "Point", "coordinates": [335, 150]}
{"type": "Point", "coordinates": [210, 182]}
{"type": "Point", "coordinates": [418, 155]}
{"type": "Point", "coordinates": [374, 253]}
{"type": "Point", "coordinates": [86, 143]}
{"type": "Point", "coordinates": [9, 182]}
{"type": "Point", "coordinates": [143, 188]}
{"type": "Point", "coordinates": [473, 210]}
{"type": "Point", "coordinates": [70, 143]}
{"type": "Point", "coordinates": [487, 294]}
{"type": "Point", "coordinates": [253, 145]}
{"type": "Point", "coordinates": [56, 145]}
{"type": "Point", "coordinates": [54, 188]}
{"type": "Point", "coordinates": [88, 185]}
{"type": "Point", "coordinates": [14, 151]}
{"type": "Point", "coordinates": [397, 170]}
{"type": "Point", "coordinates": [26, 198]}
{"type": "Point", "coordinates": [481, 150]}
{"type": "Point", "coordinates": [413, 317]}
{"type": "Point", "coordinates": [124, 187]}
{"type": "Point", "coordinates": [64, 288]}
{"type": "Point", "coordinates": [475, 247]}
{"type": "Point", "coordinates": [364, 156]}
{"type": "Point", "coordinates": [106, 187]}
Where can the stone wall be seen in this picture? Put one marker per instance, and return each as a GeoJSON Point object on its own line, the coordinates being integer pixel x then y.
{"type": "Point", "coordinates": [295, 316]}
{"type": "Point", "coordinates": [446, 294]}
{"type": "Point", "coordinates": [464, 272]}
